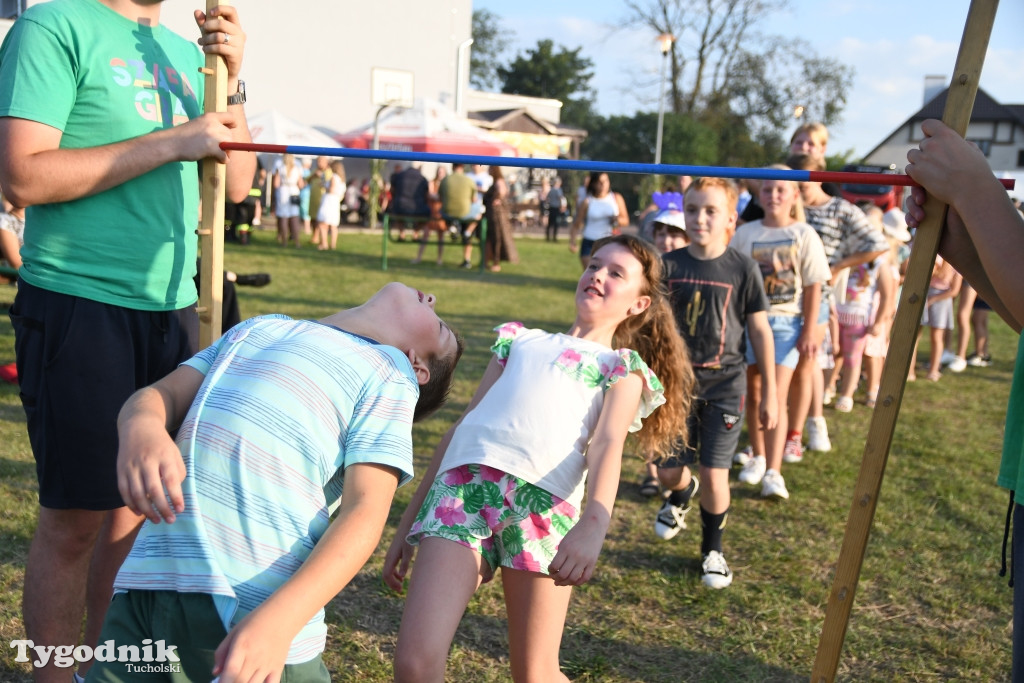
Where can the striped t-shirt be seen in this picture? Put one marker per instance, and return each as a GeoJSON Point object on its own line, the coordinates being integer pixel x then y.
{"type": "Point", "coordinates": [285, 407]}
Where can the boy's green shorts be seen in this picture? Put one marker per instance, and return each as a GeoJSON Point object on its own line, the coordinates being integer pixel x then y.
{"type": "Point", "coordinates": [187, 621]}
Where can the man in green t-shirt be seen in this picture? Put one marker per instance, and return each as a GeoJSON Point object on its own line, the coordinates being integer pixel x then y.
{"type": "Point", "coordinates": [101, 128]}
{"type": "Point", "coordinates": [984, 241]}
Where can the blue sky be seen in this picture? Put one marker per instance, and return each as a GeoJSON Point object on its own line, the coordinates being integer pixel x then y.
{"type": "Point", "coordinates": [891, 44]}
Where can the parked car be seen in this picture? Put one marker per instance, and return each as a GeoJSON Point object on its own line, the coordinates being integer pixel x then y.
{"type": "Point", "coordinates": [884, 196]}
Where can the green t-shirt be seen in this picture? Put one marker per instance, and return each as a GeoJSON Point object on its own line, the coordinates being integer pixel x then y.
{"type": "Point", "coordinates": [457, 193]}
{"type": "Point", "coordinates": [99, 78]}
{"type": "Point", "coordinates": [1011, 469]}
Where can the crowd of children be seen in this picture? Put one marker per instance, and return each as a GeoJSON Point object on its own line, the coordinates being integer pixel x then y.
{"type": "Point", "coordinates": [766, 319]}
{"type": "Point", "coordinates": [815, 281]}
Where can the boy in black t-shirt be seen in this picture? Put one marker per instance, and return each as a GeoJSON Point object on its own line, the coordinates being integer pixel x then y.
{"type": "Point", "coordinates": [716, 291]}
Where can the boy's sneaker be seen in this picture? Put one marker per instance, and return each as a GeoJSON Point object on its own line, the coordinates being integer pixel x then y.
{"type": "Point", "coordinates": [976, 361]}
{"type": "Point", "coordinates": [844, 404]}
{"type": "Point", "coordinates": [753, 471]}
{"type": "Point", "coordinates": [671, 518]}
{"type": "Point", "coordinates": [947, 357]}
{"type": "Point", "coordinates": [774, 486]}
{"type": "Point", "coordinates": [817, 435]}
{"type": "Point", "coordinates": [743, 457]}
{"type": "Point", "coordinates": [716, 572]}
{"type": "Point", "coordinates": [792, 451]}
{"type": "Point", "coordinates": [958, 364]}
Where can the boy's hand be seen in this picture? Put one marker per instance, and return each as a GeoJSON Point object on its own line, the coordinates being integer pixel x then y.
{"type": "Point", "coordinates": [150, 471]}
{"type": "Point", "coordinates": [397, 561]}
{"type": "Point", "coordinates": [576, 558]}
{"type": "Point", "coordinates": [254, 650]}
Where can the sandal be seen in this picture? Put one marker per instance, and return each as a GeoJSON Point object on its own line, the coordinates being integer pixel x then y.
{"type": "Point", "coordinates": [649, 487]}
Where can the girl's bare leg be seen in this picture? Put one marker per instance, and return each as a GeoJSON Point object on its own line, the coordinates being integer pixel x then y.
{"type": "Point", "coordinates": [444, 577]}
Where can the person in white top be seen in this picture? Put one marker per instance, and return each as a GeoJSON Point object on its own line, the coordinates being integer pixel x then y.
{"type": "Point", "coordinates": [602, 213]}
{"type": "Point", "coordinates": [505, 485]}
{"type": "Point", "coordinates": [793, 263]}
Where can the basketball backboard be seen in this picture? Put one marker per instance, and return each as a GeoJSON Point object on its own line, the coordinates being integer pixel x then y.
{"type": "Point", "coordinates": [391, 86]}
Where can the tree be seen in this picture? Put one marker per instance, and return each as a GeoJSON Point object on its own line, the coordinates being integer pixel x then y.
{"type": "Point", "coordinates": [490, 40]}
{"type": "Point", "coordinates": [720, 63]}
{"type": "Point", "coordinates": [560, 74]}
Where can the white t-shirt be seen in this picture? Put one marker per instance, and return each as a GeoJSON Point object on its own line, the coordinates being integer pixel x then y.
{"type": "Point", "coordinates": [790, 259]}
{"type": "Point", "coordinates": [537, 420]}
{"type": "Point", "coordinates": [601, 217]}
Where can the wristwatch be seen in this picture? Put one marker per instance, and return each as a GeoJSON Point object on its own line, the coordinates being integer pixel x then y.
{"type": "Point", "coordinates": [238, 97]}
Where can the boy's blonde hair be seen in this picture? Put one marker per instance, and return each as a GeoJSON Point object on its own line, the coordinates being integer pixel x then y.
{"type": "Point", "coordinates": [732, 193]}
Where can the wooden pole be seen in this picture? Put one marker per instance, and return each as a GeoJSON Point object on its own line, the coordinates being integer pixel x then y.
{"type": "Point", "coordinates": [957, 114]}
{"type": "Point", "coordinates": [211, 231]}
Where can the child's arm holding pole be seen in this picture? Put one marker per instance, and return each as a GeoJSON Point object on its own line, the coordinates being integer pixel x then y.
{"type": "Point", "coordinates": [577, 553]}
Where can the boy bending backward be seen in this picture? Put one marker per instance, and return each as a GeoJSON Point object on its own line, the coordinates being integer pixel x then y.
{"type": "Point", "coordinates": [273, 422]}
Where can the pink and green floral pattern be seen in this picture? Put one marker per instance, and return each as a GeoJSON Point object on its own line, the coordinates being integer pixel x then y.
{"type": "Point", "coordinates": [509, 521]}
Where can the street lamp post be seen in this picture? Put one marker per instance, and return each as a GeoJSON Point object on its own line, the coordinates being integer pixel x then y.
{"type": "Point", "coordinates": [665, 41]}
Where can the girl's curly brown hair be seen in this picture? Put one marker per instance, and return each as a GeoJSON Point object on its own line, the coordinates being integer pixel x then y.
{"type": "Point", "coordinates": [653, 334]}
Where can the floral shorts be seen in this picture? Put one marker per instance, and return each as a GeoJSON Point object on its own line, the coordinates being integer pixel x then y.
{"type": "Point", "coordinates": [508, 520]}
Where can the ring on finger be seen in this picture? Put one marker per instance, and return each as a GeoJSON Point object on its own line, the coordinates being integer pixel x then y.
{"type": "Point", "coordinates": [227, 39]}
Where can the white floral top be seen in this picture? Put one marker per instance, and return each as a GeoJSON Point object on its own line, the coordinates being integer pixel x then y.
{"type": "Point", "coordinates": [537, 420]}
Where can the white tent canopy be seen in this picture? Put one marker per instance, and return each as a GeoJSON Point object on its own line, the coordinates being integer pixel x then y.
{"type": "Point", "coordinates": [274, 128]}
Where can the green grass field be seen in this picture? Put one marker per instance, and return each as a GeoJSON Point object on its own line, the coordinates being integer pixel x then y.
{"type": "Point", "coordinates": [929, 606]}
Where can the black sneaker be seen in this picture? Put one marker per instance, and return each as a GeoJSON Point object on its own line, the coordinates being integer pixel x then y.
{"type": "Point", "coordinates": [976, 361]}
{"type": "Point", "coordinates": [466, 264]}
{"type": "Point", "coordinates": [671, 518]}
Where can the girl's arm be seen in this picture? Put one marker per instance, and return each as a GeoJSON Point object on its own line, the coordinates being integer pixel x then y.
{"type": "Point", "coordinates": [807, 344]}
{"type": "Point", "coordinates": [577, 553]}
{"type": "Point", "coordinates": [623, 216]}
{"type": "Point", "coordinates": [886, 300]}
{"type": "Point", "coordinates": [953, 291]}
{"type": "Point", "coordinates": [10, 249]}
{"type": "Point", "coordinates": [400, 552]}
{"type": "Point", "coordinates": [149, 464]}
{"type": "Point", "coordinates": [577, 222]}
{"type": "Point", "coordinates": [256, 647]}
{"type": "Point", "coordinates": [760, 334]}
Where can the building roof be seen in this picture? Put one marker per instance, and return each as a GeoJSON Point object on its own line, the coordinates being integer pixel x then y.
{"type": "Point", "coordinates": [985, 109]}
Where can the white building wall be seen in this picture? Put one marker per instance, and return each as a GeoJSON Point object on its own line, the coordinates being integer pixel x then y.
{"type": "Point", "coordinates": [311, 59]}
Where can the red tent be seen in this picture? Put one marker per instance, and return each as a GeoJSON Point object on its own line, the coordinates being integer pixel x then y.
{"type": "Point", "coordinates": [426, 127]}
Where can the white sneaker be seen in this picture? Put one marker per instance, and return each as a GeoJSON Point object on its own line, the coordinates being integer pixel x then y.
{"type": "Point", "coordinates": [774, 486]}
{"type": "Point", "coordinates": [753, 471]}
{"type": "Point", "coordinates": [716, 572]}
{"type": "Point", "coordinates": [958, 364]}
{"type": "Point", "coordinates": [743, 457]}
{"type": "Point", "coordinates": [844, 404]}
{"type": "Point", "coordinates": [947, 357]}
{"type": "Point", "coordinates": [817, 435]}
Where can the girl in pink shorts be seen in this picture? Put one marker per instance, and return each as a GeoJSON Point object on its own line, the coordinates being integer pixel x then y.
{"type": "Point", "coordinates": [506, 484]}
